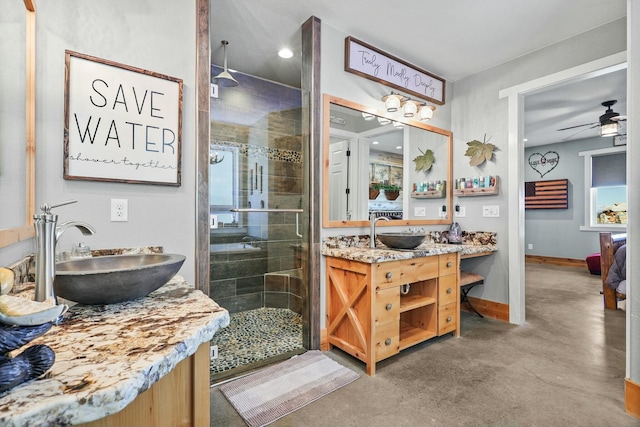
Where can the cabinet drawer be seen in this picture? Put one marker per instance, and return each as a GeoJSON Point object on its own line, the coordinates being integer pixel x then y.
{"type": "Point", "coordinates": [387, 305]}
{"type": "Point", "coordinates": [448, 264]}
{"type": "Point", "coordinates": [447, 318]}
{"type": "Point", "coordinates": [396, 273]}
{"type": "Point", "coordinates": [447, 290]}
{"type": "Point", "coordinates": [387, 340]}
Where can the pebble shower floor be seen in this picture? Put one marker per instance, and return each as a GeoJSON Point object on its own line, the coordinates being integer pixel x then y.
{"type": "Point", "coordinates": [255, 335]}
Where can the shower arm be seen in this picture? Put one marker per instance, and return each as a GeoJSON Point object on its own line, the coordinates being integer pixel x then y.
{"type": "Point", "coordinates": [296, 211]}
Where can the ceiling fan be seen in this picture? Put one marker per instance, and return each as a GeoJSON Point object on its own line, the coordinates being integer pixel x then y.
{"type": "Point", "coordinates": [608, 122]}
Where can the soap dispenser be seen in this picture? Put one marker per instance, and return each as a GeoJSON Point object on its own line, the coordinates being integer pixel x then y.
{"type": "Point", "coordinates": [455, 233]}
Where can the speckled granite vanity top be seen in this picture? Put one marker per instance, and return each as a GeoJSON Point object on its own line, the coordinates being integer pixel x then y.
{"type": "Point", "coordinates": [107, 355]}
{"type": "Point", "coordinates": [356, 248]}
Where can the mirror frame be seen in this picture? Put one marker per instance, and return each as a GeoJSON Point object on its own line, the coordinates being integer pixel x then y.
{"type": "Point", "coordinates": [326, 126]}
{"type": "Point", "coordinates": [9, 236]}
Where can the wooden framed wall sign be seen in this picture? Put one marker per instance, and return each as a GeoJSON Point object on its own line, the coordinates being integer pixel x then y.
{"type": "Point", "coordinates": [122, 123]}
{"type": "Point", "coordinates": [371, 63]}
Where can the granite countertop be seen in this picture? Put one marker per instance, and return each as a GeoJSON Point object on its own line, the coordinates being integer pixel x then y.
{"type": "Point", "coordinates": [107, 355]}
{"type": "Point", "coordinates": [356, 248]}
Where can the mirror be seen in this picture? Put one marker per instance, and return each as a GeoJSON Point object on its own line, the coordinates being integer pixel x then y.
{"type": "Point", "coordinates": [365, 149]}
{"type": "Point", "coordinates": [17, 171]}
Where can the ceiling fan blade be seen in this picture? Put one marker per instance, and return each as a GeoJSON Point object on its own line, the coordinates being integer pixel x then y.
{"type": "Point", "coordinates": [619, 118]}
{"type": "Point", "coordinates": [580, 131]}
{"type": "Point", "coordinates": [579, 126]}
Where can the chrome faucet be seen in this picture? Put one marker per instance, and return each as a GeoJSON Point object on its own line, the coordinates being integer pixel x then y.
{"type": "Point", "coordinates": [373, 218]}
{"type": "Point", "coordinates": [47, 235]}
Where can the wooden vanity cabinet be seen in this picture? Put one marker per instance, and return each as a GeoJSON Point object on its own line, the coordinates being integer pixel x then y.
{"type": "Point", "coordinates": [372, 316]}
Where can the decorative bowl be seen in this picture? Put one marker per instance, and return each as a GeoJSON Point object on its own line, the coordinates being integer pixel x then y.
{"type": "Point", "coordinates": [402, 240]}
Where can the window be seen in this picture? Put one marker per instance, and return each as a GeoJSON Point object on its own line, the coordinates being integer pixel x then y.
{"type": "Point", "coordinates": [223, 182]}
{"type": "Point", "coordinates": [605, 189]}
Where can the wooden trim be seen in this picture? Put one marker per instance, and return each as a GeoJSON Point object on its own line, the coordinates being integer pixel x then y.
{"type": "Point", "coordinates": [324, 340]}
{"type": "Point", "coordinates": [563, 262]}
{"type": "Point", "coordinates": [310, 84]}
{"type": "Point", "coordinates": [632, 397]}
{"type": "Point", "coordinates": [492, 309]}
{"type": "Point", "coordinates": [200, 379]}
{"type": "Point", "coordinates": [203, 124]}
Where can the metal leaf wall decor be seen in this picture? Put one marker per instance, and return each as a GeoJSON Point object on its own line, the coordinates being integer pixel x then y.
{"type": "Point", "coordinates": [479, 151]}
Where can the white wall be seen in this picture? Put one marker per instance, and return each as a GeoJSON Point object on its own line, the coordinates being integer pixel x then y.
{"type": "Point", "coordinates": [157, 35]}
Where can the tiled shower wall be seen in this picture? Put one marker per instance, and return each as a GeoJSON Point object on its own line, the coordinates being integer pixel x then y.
{"type": "Point", "coordinates": [263, 120]}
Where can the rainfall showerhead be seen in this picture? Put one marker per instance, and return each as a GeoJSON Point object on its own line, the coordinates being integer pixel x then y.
{"type": "Point", "coordinates": [225, 79]}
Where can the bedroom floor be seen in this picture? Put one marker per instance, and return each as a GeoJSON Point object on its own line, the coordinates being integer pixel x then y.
{"type": "Point", "coordinates": [564, 367]}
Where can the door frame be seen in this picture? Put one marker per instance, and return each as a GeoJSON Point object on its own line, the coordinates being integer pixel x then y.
{"type": "Point", "coordinates": [515, 194]}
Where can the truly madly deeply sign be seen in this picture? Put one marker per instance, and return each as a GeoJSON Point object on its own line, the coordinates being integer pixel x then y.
{"type": "Point", "coordinates": [371, 63]}
{"type": "Point", "coordinates": [121, 123]}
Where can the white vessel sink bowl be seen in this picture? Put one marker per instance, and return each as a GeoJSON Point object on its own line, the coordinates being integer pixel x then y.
{"type": "Point", "coordinates": [114, 278]}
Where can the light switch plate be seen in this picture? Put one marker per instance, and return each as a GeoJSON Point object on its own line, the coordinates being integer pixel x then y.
{"type": "Point", "coordinates": [419, 211]}
{"type": "Point", "coordinates": [491, 211]}
{"type": "Point", "coordinates": [461, 212]}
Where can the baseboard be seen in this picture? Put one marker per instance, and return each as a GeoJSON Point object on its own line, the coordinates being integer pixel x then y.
{"type": "Point", "coordinates": [632, 397]}
{"type": "Point", "coordinates": [492, 309]}
{"type": "Point", "coordinates": [563, 262]}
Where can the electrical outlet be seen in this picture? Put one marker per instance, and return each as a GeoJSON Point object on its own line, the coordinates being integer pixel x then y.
{"type": "Point", "coordinates": [119, 210]}
{"type": "Point", "coordinates": [460, 212]}
{"type": "Point", "coordinates": [420, 211]}
{"type": "Point", "coordinates": [214, 91]}
{"type": "Point", "coordinates": [213, 221]}
{"type": "Point", "coordinates": [213, 352]}
{"type": "Point", "coordinates": [530, 246]}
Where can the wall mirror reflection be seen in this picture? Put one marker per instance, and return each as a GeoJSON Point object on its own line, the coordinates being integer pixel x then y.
{"type": "Point", "coordinates": [374, 163]}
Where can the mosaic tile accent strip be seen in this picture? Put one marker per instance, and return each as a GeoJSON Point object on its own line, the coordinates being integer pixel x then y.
{"type": "Point", "coordinates": [255, 335]}
{"type": "Point", "coordinates": [258, 152]}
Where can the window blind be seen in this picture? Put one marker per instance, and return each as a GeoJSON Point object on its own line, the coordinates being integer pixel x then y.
{"type": "Point", "coordinates": [609, 170]}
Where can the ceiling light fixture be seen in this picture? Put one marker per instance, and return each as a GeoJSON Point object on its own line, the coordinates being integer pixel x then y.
{"type": "Point", "coordinates": [285, 53]}
{"type": "Point", "coordinates": [410, 107]}
{"type": "Point", "coordinates": [225, 79]}
{"type": "Point", "coordinates": [609, 128]}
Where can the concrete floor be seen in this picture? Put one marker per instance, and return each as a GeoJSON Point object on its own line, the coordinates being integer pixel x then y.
{"type": "Point", "coordinates": [564, 367]}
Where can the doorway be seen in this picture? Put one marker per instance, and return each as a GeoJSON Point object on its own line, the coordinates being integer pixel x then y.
{"type": "Point", "coordinates": [515, 96]}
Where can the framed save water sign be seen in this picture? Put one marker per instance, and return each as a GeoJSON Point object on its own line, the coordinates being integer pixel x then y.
{"type": "Point", "coordinates": [122, 123]}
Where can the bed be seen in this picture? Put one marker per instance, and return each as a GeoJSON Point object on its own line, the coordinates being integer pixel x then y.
{"type": "Point", "coordinates": [609, 244]}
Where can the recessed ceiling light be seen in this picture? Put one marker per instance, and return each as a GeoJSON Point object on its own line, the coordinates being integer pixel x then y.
{"type": "Point", "coordinates": [285, 53]}
{"type": "Point", "coordinates": [375, 142]}
{"type": "Point", "coordinates": [399, 147]}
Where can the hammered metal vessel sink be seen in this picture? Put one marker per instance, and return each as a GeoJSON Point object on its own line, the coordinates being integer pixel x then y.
{"type": "Point", "coordinates": [114, 278]}
{"type": "Point", "coordinates": [402, 240]}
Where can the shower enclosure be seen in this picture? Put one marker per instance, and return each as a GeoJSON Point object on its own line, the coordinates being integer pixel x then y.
{"type": "Point", "coordinates": [258, 186]}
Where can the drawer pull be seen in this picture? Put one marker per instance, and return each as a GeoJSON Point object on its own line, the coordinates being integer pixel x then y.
{"type": "Point", "coordinates": [389, 306]}
{"type": "Point", "coordinates": [449, 264]}
{"type": "Point", "coordinates": [387, 341]}
{"type": "Point", "coordinates": [449, 290]}
{"type": "Point", "coordinates": [388, 275]}
{"type": "Point", "coordinates": [449, 319]}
